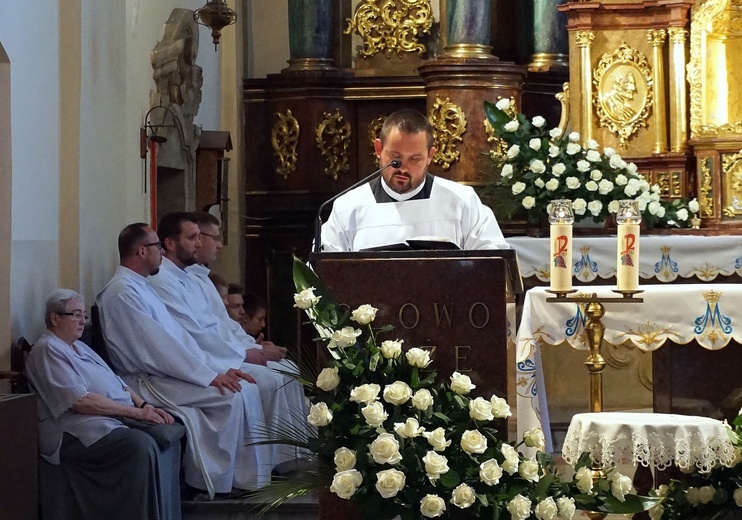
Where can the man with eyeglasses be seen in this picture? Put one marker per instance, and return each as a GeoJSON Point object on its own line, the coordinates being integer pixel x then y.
{"type": "Point", "coordinates": [186, 244]}
{"type": "Point", "coordinates": [157, 358]}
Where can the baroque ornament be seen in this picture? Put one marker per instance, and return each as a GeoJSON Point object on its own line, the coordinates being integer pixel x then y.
{"type": "Point", "coordinates": [284, 139]}
{"type": "Point", "coordinates": [333, 139]}
{"type": "Point", "coordinates": [449, 124]}
{"type": "Point", "coordinates": [391, 25]}
{"type": "Point", "coordinates": [731, 169]}
{"type": "Point", "coordinates": [623, 91]}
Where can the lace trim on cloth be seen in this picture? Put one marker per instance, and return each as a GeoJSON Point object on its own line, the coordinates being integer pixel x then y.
{"type": "Point", "coordinates": [655, 449]}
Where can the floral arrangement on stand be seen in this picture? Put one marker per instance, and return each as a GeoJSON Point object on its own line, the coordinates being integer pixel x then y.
{"type": "Point", "coordinates": [395, 441]}
{"type": "Point", "coordinates": [538, 165]}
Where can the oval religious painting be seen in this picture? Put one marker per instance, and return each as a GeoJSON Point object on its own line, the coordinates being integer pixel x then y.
{"type": "Point", "coordinates": [622, 92]}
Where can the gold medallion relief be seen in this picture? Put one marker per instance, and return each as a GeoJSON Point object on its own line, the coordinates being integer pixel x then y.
{"type": "Point", "coordinates": [623, 92]}
{"type": "Point", "coordinates": [284, 139]}
{"type": "Point", "coordinates": [333, 140]}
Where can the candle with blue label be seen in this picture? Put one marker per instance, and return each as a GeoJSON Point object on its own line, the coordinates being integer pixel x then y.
{"type": "Point", "coordinates": [561, 218]}
{"type": "Point", "coordinates": [628, 218]}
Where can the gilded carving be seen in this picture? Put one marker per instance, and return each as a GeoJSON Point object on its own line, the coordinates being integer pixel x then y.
{"type": "Point", "coordinates": [449, 124]}
{"type": "Point", "coordinates": [284, 140]}
{"type": "Point", "coordinates": [584, 38]}
{"type": "Point", "coordinates": [656, 37]}
{"type": "Point", "coordinates": [731, 171]}
{"type": "Point", "coordinates": [663, 181]}
{"type": "Point", "coordinates": [563, 98]}
{"type": "Point", "coordinates": [676, 184]}
{"type": "Point", "coordinates": [391, 25]}
{"type": "Point", "coordinates": [498, 146]}
{"type": "Point", "coordinates": [623, 91]}
{"type": "Point", "coordinates": [706, 191]}
{"type": "Point", "coordinates": [333, 140]}
{"type": "Point", "coordinates": [374, 131]}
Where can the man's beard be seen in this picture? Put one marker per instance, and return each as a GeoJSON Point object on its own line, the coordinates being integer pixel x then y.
{"type": "Point", "coordinates": [154, 271]}
{"type": "Point", "coordinates": [185, 257]}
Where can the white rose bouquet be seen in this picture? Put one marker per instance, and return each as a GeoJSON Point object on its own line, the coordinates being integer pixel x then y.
{"type": "Point", "coordinates": [537, 165]}
{"type": "Point", "coordinates": [393, 439]}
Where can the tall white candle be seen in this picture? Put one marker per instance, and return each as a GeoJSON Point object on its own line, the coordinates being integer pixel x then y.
{"type": "Point", "coordinates": [627, 257]}
{"type": "Point", "coordinates": [560, 278]}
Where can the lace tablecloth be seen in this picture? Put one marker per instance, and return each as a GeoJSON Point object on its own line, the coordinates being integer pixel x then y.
{"type": "Point", "coordinates": [650, 439]}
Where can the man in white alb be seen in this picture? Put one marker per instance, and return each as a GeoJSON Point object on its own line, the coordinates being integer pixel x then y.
{"type": "Point", "coordinates": [407, 202]}
{"type": "Point", "coordinates": [219, 405]}
{"type": "Point", "coordinates": [185, 297]}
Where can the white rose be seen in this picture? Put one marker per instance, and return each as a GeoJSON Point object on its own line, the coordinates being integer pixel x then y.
{"type": "Point", "coordinates": [644, 185]}
{"type": "Point", "coordinates": [539, 183]}
{"type": "Point", "coordinates": [706, 494]}
{"type": "Point", "coordinates": [345, 459]}
{"type": "Point", "coordinates": [573, 183]}
{"type": "Point", "coordinates": [693, 206]}
{"type": "Point", "coordinates": [435, 465]}
{"type": "Point", "coordinates": [661, 212]}
{"type": "Point", "coordinates": [418, 357]}
{"type": "Point", "coordinates": [328, 379]}
{"type": "Point", "coordinates": [534, 144]}
{"type": "Point", "coordinates": [463, 496]}
{"type": "Point", "coordinates": [537, 166]}
{"type": "Point", "coordinates": [319, 415]}
{"type": "Point", "coordinates": [632, 187]}
{"type": "Point", "coordinates": [345, 483]}
{"type": "Point", "coordinates": [538, 121]}
{"type": "Point", "coordinates": [584, 478]}
{"type": "Point", "coordinates": [490, 472]}
{"type": "Point", "coordinates": [511, 126]}
{"type": "Point", "coordinates": [546, 510]}
{"type": "Point", "coordinates": [528, 469]}
{"type": "Point", "coordinates": [591, 186]}
{"type": "Point", "coordinates": [432, 506]}
{"type": "Point", "coordinates": [391, 349]}
{"type": "Point", "coordinates": [682, 214]}
{"type": "Point", "coordinates": [518, 187]}
{"type": "Point", "coordinates": [593, 156]}
{"type": "Point", "coordinates": [473, 442]}
{"type": "Point", "coordinates": [519, 507]}
{"type": "Point", "coordinates": [553, 151]}
{"type": "Point", "coordinates": [398, 393]}
{"type": "Point", "coordinates": [385, 449]}
{"type": "Point", "coordinates": [573, 148]}
{"type": "Point", "coordinates": [512, 459]}
{"type": "Point", "coordinates": [592, 144]}
{"type": "Point", "coordinates": [574, 137]}
{"type": "Point", "coordinates": [605, 186]}
{"type": "Point", "coordinates": [374, 414]}
{"type": "Point", "coordinates": [500, 407]}
{"type": "Point", "coordinates": [608, 151]}
{"type": "Point", "coordinates": [583, 166]}
{"type": "Point", "coordinates": [552, 185]}
{"type": "Point", "coordinates": [345, 337]}
{"type": "Point", "coordinates": [513, 151]}
{"type": "Point", "coordinates": [567, 508]}
{"type": "Point", "coordinates": [615, 161]}
{"type": "Point", "coordinates": [534, 438]}
{"type": "Point", "coordinates": [738, 497]}
{"type": "Point", "coordinates": [437, 439]}
{"type": "Point", "coordinates": [620, 485]}
{"type": "Point", "coordinates": [389, 482]}
{"type": "Point", "coordinates": [365, 393]}
{"type": "Point", "coordinates": [306, 299]}
{"type": "Point", "coordinates": [408, 429]}
{"type": "Point", "coordinates": [461, 384]}
{"type": "Point", "coordinates": [529, 202]}
{"type": "Point", "coordinates": [503, 104]}
{"type": "Point", "coordinates": [579, 206]}
{"type": "Point", "coordinates": [594, 207]}
{"type": "Point", "coordinates": [621, 179]}
{"type": "Point", "coordinates": [507, 171]}
{"type": "Point", "coordinates": [364, 314]}
{"type": "Point", "coordinates": [656, 512]}
{"type": "Point", "coordinates": [558, 169]}
{"type": "Point", "coordinates": [693, 496]}
{"type": "Point", "coordinates": [632, 168]}
{"type": "Point", "coordinates": [596, 175]}
{"type": "Point", "coordinates": [480, 409]}
{"type": "Point", "coordinates": [555, 132]}
{"type": "Point", "coordinates": [422, 399]}
{"type": "Point", "coordinates": [654, 207]}
{"type": "Point", "coordinates": [613, 206]}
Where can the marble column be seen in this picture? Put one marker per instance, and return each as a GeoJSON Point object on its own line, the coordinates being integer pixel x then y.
{"type": "Point", "coordinates": [310, 35]}
{"type": "Point", "coordinates": [468, 29]}
{"type": "Point", "coordinates": [548, 42]}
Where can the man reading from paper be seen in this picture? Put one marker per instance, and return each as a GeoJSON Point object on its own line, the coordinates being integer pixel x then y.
{"type": "Point", "coordinates": [408, 202]}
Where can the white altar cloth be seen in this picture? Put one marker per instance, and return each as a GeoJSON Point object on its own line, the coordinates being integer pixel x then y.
{"type": "Point", "coordinates": [650, 439]}
{"type": "Point", "coordinates": [663, 258]}
{"type": "Point", "coordinates": [708, 314]}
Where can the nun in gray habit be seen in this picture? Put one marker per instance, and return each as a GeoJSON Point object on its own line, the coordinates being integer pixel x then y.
{"type": "Point", "coordinates": [111, 454]}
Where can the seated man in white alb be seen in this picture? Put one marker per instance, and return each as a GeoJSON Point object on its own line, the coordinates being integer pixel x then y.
{"type": "Point", "coordinates": [219, 405]}
{"type": "Point", "coordinates": [407, 202]}
{"type": "Point", "coordinates": [282, 396]}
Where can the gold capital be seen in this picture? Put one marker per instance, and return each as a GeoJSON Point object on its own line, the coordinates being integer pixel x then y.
{"type": "Point", "coordinates": [656, 37]}
{"type": "Point", "coordinates": [677, 35]}
{"type": "Point", "coordinates": [584, 38]}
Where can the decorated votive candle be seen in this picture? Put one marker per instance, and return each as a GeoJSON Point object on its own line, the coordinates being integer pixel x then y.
{"type": "Point", "coordinates": [560, 233]}
{"type": "Point", "coordinates": [627, 249]}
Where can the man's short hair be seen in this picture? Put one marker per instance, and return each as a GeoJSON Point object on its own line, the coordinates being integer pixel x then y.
{"type": "Point", "coordinates": [234, 289]}
{"type": "Point", "coordinates": [218, 281]}
{"type": "Point", "coordinates": [407, 121]}
{"type": "Point", "coordinates": [204, 218]}
{"type": "Point", "coordinates": [130, 238]}
{"type": "Point", "coordinates": [171, 223]}
{"type": "Point", "coordinates": [252, 303]}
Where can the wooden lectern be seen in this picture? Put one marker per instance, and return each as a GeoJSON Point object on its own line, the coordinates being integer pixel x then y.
{"type": "Point", "coordinates": [451, 302]}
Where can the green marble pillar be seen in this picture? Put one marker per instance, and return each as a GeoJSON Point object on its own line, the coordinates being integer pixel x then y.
{"type": "Point", "coordinates": [468, 29]}
{"type": "Point", "coordinates": [548, 42]}
{"type": "Point", "coordinates": [310, 35]}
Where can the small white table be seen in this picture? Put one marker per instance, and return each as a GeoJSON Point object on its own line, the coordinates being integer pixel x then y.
{"type": "Point", "coordinates": [653, 440]}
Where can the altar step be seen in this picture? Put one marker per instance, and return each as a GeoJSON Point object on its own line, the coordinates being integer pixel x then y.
{"type": "Point", "coordinates": [304, 508]}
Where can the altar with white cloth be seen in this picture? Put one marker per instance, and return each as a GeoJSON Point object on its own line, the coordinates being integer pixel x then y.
{"type": "Point", "coordinates": [663, 258]}
{"type": "Point", "coordinates": [705, 313]}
